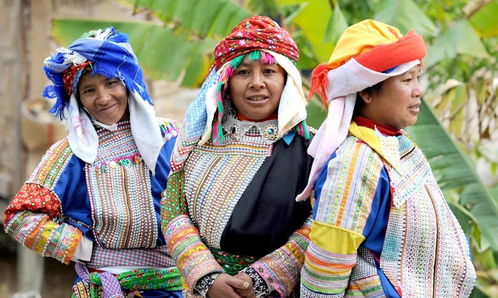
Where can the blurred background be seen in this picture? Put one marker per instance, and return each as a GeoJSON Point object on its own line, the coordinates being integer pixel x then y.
{"type": "Point", "coordinates": [174, 41]}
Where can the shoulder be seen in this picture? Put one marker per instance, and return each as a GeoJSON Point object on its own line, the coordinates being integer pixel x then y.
{"type": "Point", "coordinates": [354, 156]}
{"type": "Point", "coordinates": [169, 128]}
{"type": "Point", "coordinates": [53, 163]}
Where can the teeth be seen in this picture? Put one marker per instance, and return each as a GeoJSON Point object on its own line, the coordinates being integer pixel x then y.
{"type": "Point", "coordinates": [257, 98]}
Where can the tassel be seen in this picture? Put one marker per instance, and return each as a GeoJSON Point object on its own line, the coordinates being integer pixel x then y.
{"type": "Point", "coordinates": [319, 82]}
{"type": "Point", "coordinates": [306, 130]}
{"type": "Point", "coordinates": [255, 55]}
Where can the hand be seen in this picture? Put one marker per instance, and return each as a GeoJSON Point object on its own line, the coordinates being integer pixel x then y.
{"type": "Point", "coordinates": [249, 292]}
{"type": "Point", "coordinates": [226, 285]}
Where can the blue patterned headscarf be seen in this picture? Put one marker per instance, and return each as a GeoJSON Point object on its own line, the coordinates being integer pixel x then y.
{"type": "Point", "coordinates": [110, 55]}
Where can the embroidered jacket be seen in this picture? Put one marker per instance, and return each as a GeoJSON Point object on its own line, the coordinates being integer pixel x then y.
{"type": "Point", "coordinates": [232, 206]}
{"type": "Point", "coordinates": [115, 202]}
{"type": "Point", "coordinates": [382, 226]}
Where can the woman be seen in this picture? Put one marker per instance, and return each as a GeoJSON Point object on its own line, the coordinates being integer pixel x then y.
{"type": "Point", "coordinates": [95, 196]}
{"type": "Point", "coordinates": [381, 226]}
{"type": "Point", "coordinates": [240, 161]}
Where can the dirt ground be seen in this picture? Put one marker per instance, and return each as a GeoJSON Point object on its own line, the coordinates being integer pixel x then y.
{"type": "Point", "coordinates": [58, 278]}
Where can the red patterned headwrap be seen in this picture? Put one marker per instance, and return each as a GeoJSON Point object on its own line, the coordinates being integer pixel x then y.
{"type": "Point", "coordinates": [70, 74]}
{"type": "Point", "coordinates": [252, 34]}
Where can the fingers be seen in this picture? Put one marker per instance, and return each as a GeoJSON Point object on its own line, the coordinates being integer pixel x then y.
{"type": "Point", "coordinates": [238, 283]}
{"type": "Point", "coordinates": [222, 287]}
{"type": "Point", "coordinates": [249, 292]}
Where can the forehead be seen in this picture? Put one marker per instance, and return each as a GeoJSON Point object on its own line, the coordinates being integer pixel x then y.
{"type": "Point", "coordinates": [416, 69]}
{"type": "Point", "coordinates": [90, 78]}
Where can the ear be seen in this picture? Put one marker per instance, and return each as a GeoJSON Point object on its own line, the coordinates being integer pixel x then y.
{"type": "Point", "coordinates": [365, 96]}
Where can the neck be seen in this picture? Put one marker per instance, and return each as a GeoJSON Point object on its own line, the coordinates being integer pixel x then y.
{"type": "Point", "coordinates": [244, 118]}
{"type": "Point", "coordinates": [384, 129]}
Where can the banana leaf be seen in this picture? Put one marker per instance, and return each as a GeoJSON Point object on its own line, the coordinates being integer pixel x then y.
{"type": "Point", "coordinates": [213, 18]}
{"type": "Point", "coordinates": [161, 53]}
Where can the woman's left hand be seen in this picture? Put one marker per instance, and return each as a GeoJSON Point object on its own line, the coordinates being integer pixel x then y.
{"type": "Point", "coordinates": [249, 292]}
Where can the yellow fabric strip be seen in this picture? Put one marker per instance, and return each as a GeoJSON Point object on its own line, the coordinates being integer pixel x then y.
{"type": "Point", "coordinates": [368, 136]}
{"type": "Point", "coordinates": [335, 239]}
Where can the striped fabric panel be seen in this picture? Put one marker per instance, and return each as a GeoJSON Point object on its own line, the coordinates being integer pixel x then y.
{"type": "Point", "coordinates": [280, 269]}
{"type": "Point", "coordinates": [348, 192]}
{"type": "Point", "coordinates": [325, 272]}
{"type": "Point", "coordinates": [366, 287]}
{"type": "Point", "coordinates": [46, 237]}
{"type": "Point", "coordinates": [52, 164]}
{"type": "Point", "coordinates": [192, 256]}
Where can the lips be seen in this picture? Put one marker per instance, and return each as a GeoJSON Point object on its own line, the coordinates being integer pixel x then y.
{"type": "Point", "coordinates": [106, 109]}
{"type": "Point", "coordinates": [415, 108]}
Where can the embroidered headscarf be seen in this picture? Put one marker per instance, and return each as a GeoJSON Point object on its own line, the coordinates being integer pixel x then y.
{"type": "Point", "coordinates": [108, 53]}
{"type": "Point", "coordinates": [259, 34]}
{"type": "Point", "coordinates": [367, 53]}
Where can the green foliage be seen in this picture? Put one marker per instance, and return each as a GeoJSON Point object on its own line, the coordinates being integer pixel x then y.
{"type": "Point", "coordinates": [450, 44]}
{"type": "Point", "coordinates": [213, 18]}
{"type": "Point", "coordinates": [484, 21]}
{"type": "Point", "coordinates": [162, 53]}
{"type": "Point", "coordinates": [404, 15]}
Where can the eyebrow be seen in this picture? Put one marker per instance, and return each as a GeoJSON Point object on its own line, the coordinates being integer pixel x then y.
{"type": "Point", "coordinates": [414, 70]}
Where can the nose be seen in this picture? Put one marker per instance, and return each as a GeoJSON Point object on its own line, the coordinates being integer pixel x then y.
{"type": "Point", "coordinates": [418, 91]}
{"type": "Point", "coordinates": [103, 96]}
{"type": "Point", "coordinates": [256, 81]}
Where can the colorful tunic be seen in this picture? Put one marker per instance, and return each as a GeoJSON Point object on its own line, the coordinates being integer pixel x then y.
{"type": "Point", "coordinates": [382, 226]}
{"type": "Point", "coordinates": [114, 202]}
{"type": "Point", "coordinates": [233, 206]}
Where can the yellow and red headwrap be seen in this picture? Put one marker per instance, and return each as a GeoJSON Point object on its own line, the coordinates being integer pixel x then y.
{"type": "Point", "coordinates": [252, 34]}
{"type": "Point", "coordinates": [367, 53]}
{"type": "Point", "coordinates": [374, 45]}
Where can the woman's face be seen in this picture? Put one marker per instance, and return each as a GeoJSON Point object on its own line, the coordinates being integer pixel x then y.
{"type": "Point", "coordinates": [105, 99]}
{"type": "Point", "coordinates": [255, 88]}
{"type": "Point", "coordinates": [397, 102]}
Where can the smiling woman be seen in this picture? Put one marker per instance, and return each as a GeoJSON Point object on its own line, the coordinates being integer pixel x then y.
{"type": "Point", "coordinates": [229, 214]}
{"type": "Point", "coordinates": [104, 99]}
{"type": "Point", "coordinates": [255, 88]}
{"type": "Point", "coordinates": [94, 198]}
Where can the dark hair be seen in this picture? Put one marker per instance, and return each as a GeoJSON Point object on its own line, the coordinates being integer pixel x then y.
{"type": "Point", "coordinates": [359, 101]}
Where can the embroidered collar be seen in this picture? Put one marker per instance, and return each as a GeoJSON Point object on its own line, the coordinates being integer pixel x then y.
{"type": "Point", "coordinates": [237, 129]}
{"type": "Point", "coordinates": [386, 146]}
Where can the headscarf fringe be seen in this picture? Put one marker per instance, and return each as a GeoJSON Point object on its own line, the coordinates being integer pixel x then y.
{"type": "Point", "coordinates": [320, 82]}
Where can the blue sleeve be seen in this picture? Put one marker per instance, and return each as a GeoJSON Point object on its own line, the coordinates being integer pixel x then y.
{"type": "Point", "coordinates": [375, 228]}
{"type": "Point", "coordinates": [160, 180]}
{"type": "Point", "coordinates": [72, 191]}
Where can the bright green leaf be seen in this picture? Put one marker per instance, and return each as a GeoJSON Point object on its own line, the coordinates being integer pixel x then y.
{"type": "Point", "coordinates": [161, 53]}
{"type": "Point", "coordinates": [404, 15]}
{"type": "Point", "coordinates": [484, 21]}
{"type": "Point", "coordinates": [459, 39]}
{"type": "Point", "coordinates": [336, 26]}
{"type": "Point", "coordinates": [312, 21]}
{"type": "Point", "coordinates": [214, 18]}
